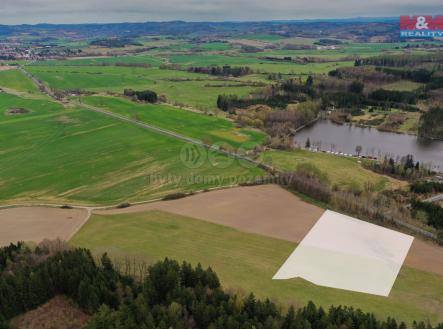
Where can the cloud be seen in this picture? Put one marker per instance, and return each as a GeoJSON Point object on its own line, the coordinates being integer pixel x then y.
{"type": "Point", "coordinates": [80, 11]}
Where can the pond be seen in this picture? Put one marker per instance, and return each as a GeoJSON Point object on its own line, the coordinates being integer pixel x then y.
{"type": "Point", "coordinates": [329, 136]}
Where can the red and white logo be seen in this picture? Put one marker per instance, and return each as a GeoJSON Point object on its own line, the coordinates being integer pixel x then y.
{"type": "Point", "coordinates": [423, 22]}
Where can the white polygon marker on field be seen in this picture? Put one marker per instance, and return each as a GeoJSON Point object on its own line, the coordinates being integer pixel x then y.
{"type": "Point", "coordinates": [346, 253]}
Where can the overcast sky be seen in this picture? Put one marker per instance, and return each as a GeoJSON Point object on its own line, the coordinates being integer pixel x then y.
{"type": "Point", "coordinates": [99, 11]}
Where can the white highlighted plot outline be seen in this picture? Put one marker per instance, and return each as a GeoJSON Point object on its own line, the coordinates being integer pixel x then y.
{"type": "Point", "coordinates": [346, 253]}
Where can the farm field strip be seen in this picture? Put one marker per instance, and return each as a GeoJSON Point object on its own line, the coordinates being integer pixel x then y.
{"type": "Point", "coordinates": [247, 262]}
{"type": "Point", "coordinates": [180, 87]}
{"type": "Point", "coordinates": [38, 154]}
{"type": "Point", "coordinates": [38, 223]}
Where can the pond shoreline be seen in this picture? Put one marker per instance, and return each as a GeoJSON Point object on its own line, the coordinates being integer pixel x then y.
{"type": "Point", "coordinates": [344, 139]}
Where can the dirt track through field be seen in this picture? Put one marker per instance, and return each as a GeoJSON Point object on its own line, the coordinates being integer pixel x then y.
{"type": "Point", "coordinates": [272, 211]}
{"type": "Point", "coordinates": [39, 223]}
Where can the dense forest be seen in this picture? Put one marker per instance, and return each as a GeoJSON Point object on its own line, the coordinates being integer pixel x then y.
{"type": "Point", "coordinates": [171, 295]}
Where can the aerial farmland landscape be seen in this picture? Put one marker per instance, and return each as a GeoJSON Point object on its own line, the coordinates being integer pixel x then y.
{"type": "Point", "coordinates": [187, 165]}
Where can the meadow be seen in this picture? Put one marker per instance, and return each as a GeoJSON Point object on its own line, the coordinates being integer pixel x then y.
{"type": "Point", "coordinates": [54, 154]}
{"type": "Point", "coordinates": [111, 60]}
{"type": "Point", "coordinates": [345, 173]}
{"type": "Point", "coordinates": [15, 79]}
{"type": "Point", "coordinates": [180, 87]}
{"type": "Point", "coordinates": [211, 129]}
{"type": "Point", "coordinates": [246, 263]}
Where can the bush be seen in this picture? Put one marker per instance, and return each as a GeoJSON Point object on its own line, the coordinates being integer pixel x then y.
{"type": "Point", "coordinates": [143, 96]}
{"type": "Point", "coordinates": [175, 196]}
{"type": "Point", "coordinates": [123, 205]}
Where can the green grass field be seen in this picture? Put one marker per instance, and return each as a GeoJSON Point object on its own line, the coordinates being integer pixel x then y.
{"type": "Point", "coordinates": [247, 262]}
{"type": "Point", "coordinates": [203, 127]}
{"type": "Point", "coordinates": [403, 85]}
{"type": "Point", "coordinates": [257, 64]}
{"type": "Point", "coordinates": [261, 37]}
{"type": "Point", "coordinates": [15, 79]}
{"type": "Point", "coordinates": [140, 59]}
{"type": "Point", "coordinates": [346, 173]}
{"type": "Point", "coordinates": [75, 155]}
{"type": "Point", "coordinates": [181, 87]}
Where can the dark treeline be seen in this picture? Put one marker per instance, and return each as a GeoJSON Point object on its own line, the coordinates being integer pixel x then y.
{"type": "Point", "coordinates": [419, 75]}
{"type": "Point", "coordinates": [36, 276]}
{"type": "Point", "coordinates": [431, 124]}
{"type": "Point", "coordinates": [404, 168]}
{"type": "Point", "coordinates": [375, 208]}
{"type": "Point", "coordinates": [402, 60]}
{"type": "Point", "coordinates": [115, 42]}
{"type": "Point", "coordinates": [278, 96]}
{"type": "Point", "coordinates": [225, 71]}
{"type": "Point", "coordinates": [426, 187]}
{"type": "Point", "coordinates": [394, 96]}
{"type": "Point", "coordinates": [143, 96]}
{"type": "Point", "coordinates": [349, 97]}
{"type": "Point", "coordinates": [8, 254]}
{"type": "Point", "coordinates": [328, 42]}
{"type": "Point", "coordinates": [429, 77]}
{"type": "Point", "coordinates": [228, 103]}
{"type": "Point", "coordinates": [170, 296]}
{"type": "Point", "coordinates": [434, 212]}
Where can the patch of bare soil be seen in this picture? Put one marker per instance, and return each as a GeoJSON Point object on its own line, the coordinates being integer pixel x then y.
{"type": "Point", "coordinates": [39, 223]}
{"type": "Point", "coordinates": [64, 119]}
{"type": "Point", "coordinates": [266, 209]}
{"type": "Point", "coordinates": [58, 313]}
{"type": "Point", "coordinates": [272, 211]}
{"type": "Point", "coordinates": [7, 67]}
{"type": "Point", "coordinates": [425, 256]}
{"type": "Point", "coordinates": [17, 111]}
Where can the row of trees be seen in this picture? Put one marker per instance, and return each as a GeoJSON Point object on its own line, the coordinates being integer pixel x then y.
{"type": "Point", "coordinates": [226, 70]}
{"type": "Point", "coordinates": [426, 187]}
{"type": "Point", "coordinates": [405, 168]}
{"type": "Point", "coordinates": [229, 103]}
{"type": "Point", "coordinates": [416, 75]}
{"type": "Point", "coordinates": [402, 60]}
{"type": "Point", "coordinates": [380, 208]}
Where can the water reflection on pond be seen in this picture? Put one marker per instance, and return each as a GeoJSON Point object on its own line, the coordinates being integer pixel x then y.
{"type": "Point", "coordinates": [329, 136]}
